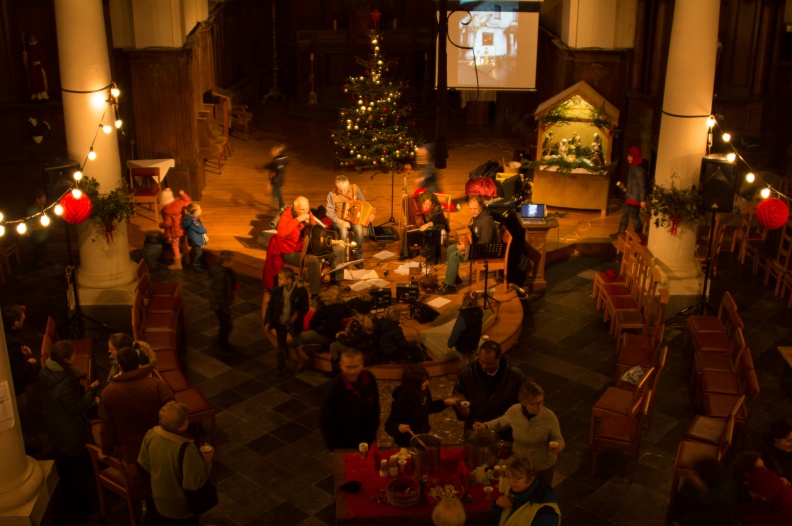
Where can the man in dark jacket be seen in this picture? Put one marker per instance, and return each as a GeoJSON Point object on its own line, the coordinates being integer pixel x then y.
{"type": "Point", "coordinates": [130, 406]}
{"type": "Point", "coordinates": [483, 230]}
{"type": "Point", "coordinates": [285, 312]}
{"type": "Point", "coordinates": [490, 384]}
{"type": "Point", "coordinates": [221, 296]}
{"type": "Point", "coordinates": [20, 358]}
{"type": "Point", "coordinates": [351, 411]}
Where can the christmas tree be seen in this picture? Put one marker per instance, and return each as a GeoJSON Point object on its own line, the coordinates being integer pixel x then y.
{"type": "Point", "coordinates": [375, 132]}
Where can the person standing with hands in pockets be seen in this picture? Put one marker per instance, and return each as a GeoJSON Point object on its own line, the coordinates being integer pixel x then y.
{"type": "Point", "coordinates": [634, 193]}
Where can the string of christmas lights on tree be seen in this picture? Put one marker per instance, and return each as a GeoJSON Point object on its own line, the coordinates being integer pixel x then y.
{"type": "Point", "coordinates": [376, 131]}
{"type": "Point", "coordinates": [73, 205]}
{"type": "Point", "coordinates": [772, 212]}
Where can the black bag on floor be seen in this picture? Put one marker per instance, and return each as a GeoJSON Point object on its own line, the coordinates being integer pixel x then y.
{"type": "Point", "coordinates": [488, 169]}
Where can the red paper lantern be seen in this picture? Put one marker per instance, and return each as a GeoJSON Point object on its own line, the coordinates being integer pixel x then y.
{"type": "Point", "coordinates": [75, 211]}
{"type": "Point", "coordinates": [772, 213]}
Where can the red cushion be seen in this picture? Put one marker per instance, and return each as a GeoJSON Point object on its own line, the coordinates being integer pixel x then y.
{"type": "Point", "coordinates": [307, 320]}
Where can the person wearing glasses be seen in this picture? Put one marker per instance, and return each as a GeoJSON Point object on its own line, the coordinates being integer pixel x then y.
{"type": "Point", "coordinates": [483, 230]}
{"type": "Point", "coordinates": [487, 387]}
{"type": "Point", "coordinates": [529, 501]}
{"type": "Point", "coordinates": [535, 428]}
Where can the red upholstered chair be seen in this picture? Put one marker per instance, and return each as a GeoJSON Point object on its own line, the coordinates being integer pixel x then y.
{"type": "Point", "coordinates": [719, 323]}
{"type": "Point", "coordinates": [619, 401]}
{"type": "Point", "coordinates": [174, 378]}
{"type": "Point", "coordinates": [650, 314]}
{"type": "Point", "coordinates": [159, 330]}
{"type": "Point", "coordinates": [638, 350]}
{"type": "Point", "coordinates": [707, 429]}
{"type": "Point", "coordinates": [726, 382]}
{"type": "Point", "coordinates": [120, 478]}
{"type": "Point", "coordinates": [167, 360]}
{"type": "Point", "coordinates": [691, 451]}
{"type": "Point", "coordinates": [200, 408]}
{"type": "Point", "coordinates": [622, 433]}
{"type": "Point", "coordinates": [717, 405]}
{"type": "Point", "coordinates": [83, 347]}
{"type": "Point", "coordinates": [158, 288]}
{"type": "Point", "coordinates": [717, 362]}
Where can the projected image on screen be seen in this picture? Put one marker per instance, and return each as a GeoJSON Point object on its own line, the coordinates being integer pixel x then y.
{"type": "Point", "coordinates": [499, 45]}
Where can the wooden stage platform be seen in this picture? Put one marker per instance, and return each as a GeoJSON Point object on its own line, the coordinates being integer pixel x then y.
{"type": "Point", "coordinates": [236, 206]}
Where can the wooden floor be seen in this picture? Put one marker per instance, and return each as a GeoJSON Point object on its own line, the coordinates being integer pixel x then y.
{"type": "Point", "coordinates": [236, 206]}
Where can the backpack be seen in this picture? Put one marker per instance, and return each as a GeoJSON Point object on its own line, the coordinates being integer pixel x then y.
{"type": "Point", "coordinates": [488, 169]}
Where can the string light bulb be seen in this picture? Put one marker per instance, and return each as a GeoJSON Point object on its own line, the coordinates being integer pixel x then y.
{"type": "Point", "coordinates": [21, 228]}
{"type": "Point", "coordinates": [726, 136]}
{"type": "Point", "coordinates": [118, 123]}
{"type": "Point", "coordinates": [92, 154]}
{"type": "Point", "coordinates": [765, 193]}
{"type": "Point", "coordinates": [114, 91]}
{"type": "Point", "coordinates": [1, 216]}
{"type": "Point", "coordinates": [107, 129]}
{"type": "Point", "coordinates": [2, 230]}
{"type": "Point", "coordinates": [76, 193]}
{"type": "Point", "coordinates": [78, 175]}
{"type": "Point", "coordinates": [58, 210]}
{"type": "Point", "coordinates": [750, 177]}
{"type": "Point", "coordinates": [711, 122]}
{"type": "Point", "coordinates": [45, 220]}
{"type": "Point", "coordinates": [731, 157]}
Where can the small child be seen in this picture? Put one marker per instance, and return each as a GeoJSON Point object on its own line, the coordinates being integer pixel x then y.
{"type": "Point", "coordinates": [277, 172]}
{"type": "Point", "coordinates": [172, 210]}
{"type": "Point", "coordinates": [285, 312]}
{"type": "Point", "coordinates": [196, 234]}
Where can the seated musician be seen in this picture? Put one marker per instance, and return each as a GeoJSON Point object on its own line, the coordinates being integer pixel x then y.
{"type": "Point", "coordinates": [483, 230]}
{"type": "Point", "coordinates": [345, 193]}
{"type": "Point", "coordinates": [287, 245]}
{"type": "Point", "coordinates": [434, 218]}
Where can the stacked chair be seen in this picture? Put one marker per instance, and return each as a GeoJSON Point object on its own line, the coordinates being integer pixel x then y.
{"type": "Point", "coordinates": [158, 319]}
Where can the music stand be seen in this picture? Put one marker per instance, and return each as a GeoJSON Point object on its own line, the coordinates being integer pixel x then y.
{"type": "Point", "coordinates": [485, 252]}
{"type": "Point", "coordinates": [425, 240]}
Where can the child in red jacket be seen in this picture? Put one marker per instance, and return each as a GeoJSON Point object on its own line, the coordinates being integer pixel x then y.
{"type": "Point", "coordinates": [172, 211]}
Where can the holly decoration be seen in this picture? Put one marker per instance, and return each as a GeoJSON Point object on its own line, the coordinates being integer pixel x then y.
{"type": "Point", "coordinates": [371, 133]}
{"type": "Point", "coordinates": [772, 213]}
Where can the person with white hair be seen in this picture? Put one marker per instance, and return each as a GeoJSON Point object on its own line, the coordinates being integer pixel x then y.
{"type": "Point", "coordinates": [343, 193]}
{"type": "Point", "coordinates": [172, 210]}
{"type": "Point", "coordinates": [448, 512]}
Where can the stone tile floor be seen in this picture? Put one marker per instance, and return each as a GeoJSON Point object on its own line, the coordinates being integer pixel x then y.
{"type": "Point", "coordinates": [272, 467]}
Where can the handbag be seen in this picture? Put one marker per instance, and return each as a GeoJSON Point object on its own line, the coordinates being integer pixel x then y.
{"type": "Point", "coordinates": [206, 239]}
{"type": "Point", "coordinates": [204, 498]}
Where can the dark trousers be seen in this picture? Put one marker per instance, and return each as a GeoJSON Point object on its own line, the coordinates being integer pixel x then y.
{"type": "Point", "coordinates": [77, 482]}
{"type": "Point", "coordinates": [282, 332]}
{"type": "Point", "coordinates": [225, 325]}
{"type": "Point", "coordinates": [631, 212]}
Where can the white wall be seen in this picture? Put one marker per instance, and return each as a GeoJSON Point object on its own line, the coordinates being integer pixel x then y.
{"type": "Point", "coordinates": [154, 23]}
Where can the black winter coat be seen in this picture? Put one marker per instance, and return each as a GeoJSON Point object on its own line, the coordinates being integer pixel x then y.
{"type": "Point", "coordinates": [350, 413]}
{"type": "Point", "coordinates": [392, 342]}
{"type": "Point", "coordinates": [407, 410]}
{"type": "Point", "coordinates": [299, 304]}
{"type": "Point", "coordinates": [328, 320]}
{"type": "Point", "coordinates": [67, 407]}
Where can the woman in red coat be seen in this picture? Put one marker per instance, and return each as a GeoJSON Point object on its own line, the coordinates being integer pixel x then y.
{"type": "Point", "coordinates": [172, 211]}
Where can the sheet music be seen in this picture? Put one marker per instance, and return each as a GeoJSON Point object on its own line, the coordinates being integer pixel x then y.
{"type": "Point", "coordinates": [360, 274]}
{"type": "Point", "coordinates": [438, 302]}
{"type": "Point", "coordinates": [385, 254]}
{"type": "Point", "coordinates": [404, 269]}
{"type": "Point", "coordinates": [378, 282]}
{"type": "Point", "coordinates": [360, 285]}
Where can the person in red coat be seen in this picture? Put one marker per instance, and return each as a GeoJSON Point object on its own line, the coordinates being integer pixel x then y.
{"type": "Point", "coordinates": [172, 211]}
{"type": "Point", "coordinates": [287, 245]}
{"type": "Point", "coordinates": [130, 406]}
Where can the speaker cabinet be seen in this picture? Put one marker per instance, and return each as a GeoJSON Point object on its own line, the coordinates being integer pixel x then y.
{"type": "Point", "coordinates": [717, 183]}
{"type": "Point", "coordinates": [59, 177]}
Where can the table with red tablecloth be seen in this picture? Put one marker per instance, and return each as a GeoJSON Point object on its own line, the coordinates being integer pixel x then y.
{"type": "Point", "coordinates": [358, 508]}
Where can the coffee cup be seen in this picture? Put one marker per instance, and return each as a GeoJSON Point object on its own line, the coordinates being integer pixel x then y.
{"type": "Point", "coordinates": [553, 444]}
{"type": "Point", "coordinates": [488, 492]}
{"type": "Point", "coordinates": [206, 448]}
{"type": "Point", "coordinates": [464, 404]}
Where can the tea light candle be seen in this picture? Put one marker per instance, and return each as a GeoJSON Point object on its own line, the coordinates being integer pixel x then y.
{"type": "Point", "coordinates": [488, 492]}
{"type": "Point", "coordinates": [383, 468]}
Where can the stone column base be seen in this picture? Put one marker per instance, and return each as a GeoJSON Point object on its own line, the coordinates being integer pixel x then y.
{"type": "Point", "coordinates": [32, 512]}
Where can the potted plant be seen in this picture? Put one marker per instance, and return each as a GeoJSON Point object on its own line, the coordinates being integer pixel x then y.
{"type": "Point", "coordinates": [670, 205]}
{"type": "Point", "coordinates": [38, 129]}
{"type": "Point", "coordinates": [108, 209]}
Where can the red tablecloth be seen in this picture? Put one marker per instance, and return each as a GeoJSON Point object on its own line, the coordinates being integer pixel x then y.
{"type": "Point", "coordinates": [361, 505]}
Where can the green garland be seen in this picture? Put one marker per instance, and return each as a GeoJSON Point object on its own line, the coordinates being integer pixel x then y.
{"type": "Point", "coordinates": [565, 167]}
{"type": "Point", "coordinates": [561, 114]}
{"type": "Point", "coordinates": [108, 209]}
{"type": "Point", "coordinates": [671, 205]}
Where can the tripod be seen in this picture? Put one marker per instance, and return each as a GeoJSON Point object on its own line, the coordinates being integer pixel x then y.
{"type": "Point", "coordinates": [76, 329]}
{"type": "Point", "coordinates": [485, 252]}
{"type": "Point", "coordinates": [703, 301]}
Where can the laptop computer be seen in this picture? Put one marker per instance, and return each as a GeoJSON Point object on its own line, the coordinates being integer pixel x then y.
{"type": "Point", "coordinates": [533, 214]}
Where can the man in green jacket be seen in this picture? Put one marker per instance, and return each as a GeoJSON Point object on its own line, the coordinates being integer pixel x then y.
{"type": "Point", "coordinates": [159, 456]}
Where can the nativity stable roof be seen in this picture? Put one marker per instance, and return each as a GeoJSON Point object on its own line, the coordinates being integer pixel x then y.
{"type": "Point", "coordinates": [588, 94]}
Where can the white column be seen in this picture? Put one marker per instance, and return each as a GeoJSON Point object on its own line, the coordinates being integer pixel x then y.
{"type": "Point", "coordinates": [687, 104]}
{"type": "Point", "coordinates": [24, 496]}
{"type": "Point", "coordinates": [85, 66]}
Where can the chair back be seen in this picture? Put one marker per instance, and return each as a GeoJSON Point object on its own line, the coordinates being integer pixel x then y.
{"type": "Point", "coordinates": [751, 389]}
{"type": "Point", "coordinates": [51, 330]}
{"type": "Point", "coordinates": [141, 269]}
{"type": "Point", "coordinates": [784, 249]}
{"type": "Point", "coordinates": [138, 317]}
{"type": "Point", "coordinates": [657, 337]}
{"type": "Point", "coordinates": [733, 323]}
{"type": "Point", "coordinates": [641, 412]}
{"type": "Point", "coordinates": [46, 349]}
{"type": "Point", "coordinates": [448, 206]}
{"type": "Point", "coordinates": [144, 287]}
{"type": "Point", "coordinates": [738, 349]}
{"type": "Point", "coordinates": [727, 304]}
{"type": "Point", "coordinates": [727, 434]}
